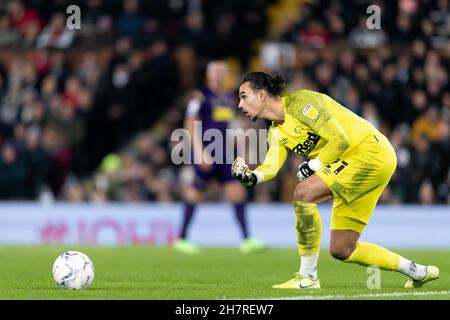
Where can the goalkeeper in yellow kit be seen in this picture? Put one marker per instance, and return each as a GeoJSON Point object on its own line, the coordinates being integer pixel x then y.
{"type": "Point", "coordinates": [350, 161]}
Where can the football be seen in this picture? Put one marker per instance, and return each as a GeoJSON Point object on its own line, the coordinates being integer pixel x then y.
{"type": "Point", "coordinates": [73, 270]}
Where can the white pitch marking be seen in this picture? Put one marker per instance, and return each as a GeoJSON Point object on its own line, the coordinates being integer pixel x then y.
{"type": "Point", "coordinates": [368, 295]}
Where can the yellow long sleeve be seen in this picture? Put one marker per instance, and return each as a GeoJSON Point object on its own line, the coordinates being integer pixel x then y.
{"type": "Point", "coordinates": [338, 141]}
{"type": "Point", "coordinates": [274, 160]}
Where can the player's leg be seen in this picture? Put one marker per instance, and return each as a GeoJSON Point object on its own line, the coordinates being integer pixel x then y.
{"type": "Point", "coordinates": [357, 187]}
{"type": "Point", "coordinates": [193, 195]}
{"type": "Point", "coordinates": [236, 194]}
{"type": "Point", "coordinates": [345, 244]}
{"type": "Point", "coordinates": [308, 226]}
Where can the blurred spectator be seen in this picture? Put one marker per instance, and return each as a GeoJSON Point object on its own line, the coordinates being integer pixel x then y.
{"type": "Point", "coordinates": [97, 22]}
{"type": "Point", "coordinates": [197, 35]}
{"type": "Point", "coordinates": [73, 190]}
{"type": "Point", "coordinates": [404, 31]}
{"type": "Point", "coordinates": [426, 193]}
{"type": "Point", "coordinates": [13, 173]}
{"type": "Point", "coordinates": [23, 17]}
{"type": "Point", "coordinates": [8, 36]}
{"type": "Point", "coordinates": [130, 22]}
{"type": "Point", "coordinates": [162, 84]}
{"type": "Point", "coordinates": [314, 36]}
{"type": "Point", "coordinates": [324, 77]}
{"type": "Point", "coordinates": [58, 68]}
{"type": "Point", "coordinates": [424, 165]}
{"type": "Point", "coordinates": [389, 101]}
{"type": "Point", "coordinates": [400, 187]}
{"type": "Point", "coordinates": [56, 34]}
{"type": "Point", "coordinates": [39, 162]}
{"type": "Point", "coordinates": [363, 37]}
{"type": "Point", "coordinates": [431, 126]}
{"type": "Point", "coordinates": [370, 113]}
{"type": "Point", "coordinates": [122, 49]}
{"type": "Point", "coordinates": [59, 154]}
{"type": "Point", "coordinates": [26, 21]}
{"type": "Point", "coordinates": [115, 107]}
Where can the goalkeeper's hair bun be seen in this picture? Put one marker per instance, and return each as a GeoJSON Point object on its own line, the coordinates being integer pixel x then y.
{"type": "Point", "coordinates": [261, 80]}
{"type": "Point", "coordinates": [278, 84]}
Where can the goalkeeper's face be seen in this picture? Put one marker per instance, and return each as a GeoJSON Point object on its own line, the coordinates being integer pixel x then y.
{"type": "Point", "coordinates": [250, 101]}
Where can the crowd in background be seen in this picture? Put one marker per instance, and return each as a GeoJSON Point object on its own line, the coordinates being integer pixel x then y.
{"type": "Point", "coordinates": [87, 115]}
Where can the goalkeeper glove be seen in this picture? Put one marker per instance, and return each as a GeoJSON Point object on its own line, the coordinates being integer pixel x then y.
{"type": "Point", "coordinates": [308, 168]}
{"type": "Point", "coordinates": [241, 171]}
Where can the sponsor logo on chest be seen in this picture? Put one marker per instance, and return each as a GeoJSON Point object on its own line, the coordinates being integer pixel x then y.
{"type": "Point", "coordinates": [305, 147]}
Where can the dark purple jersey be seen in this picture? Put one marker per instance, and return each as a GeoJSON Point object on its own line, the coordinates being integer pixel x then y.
{"type": "Point", "coordinates": [214, 110]}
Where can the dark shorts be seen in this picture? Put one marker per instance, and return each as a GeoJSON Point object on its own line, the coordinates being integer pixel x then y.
{"type": "Point", "coordinates": [221, 172]}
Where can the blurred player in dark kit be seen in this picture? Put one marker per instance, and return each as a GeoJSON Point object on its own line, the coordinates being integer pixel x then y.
{"type": "Point", "coordinates": [213, 107]}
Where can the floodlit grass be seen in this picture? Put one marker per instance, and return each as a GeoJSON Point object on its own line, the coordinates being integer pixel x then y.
{"type": "Point", "coordinates": [219, 273]}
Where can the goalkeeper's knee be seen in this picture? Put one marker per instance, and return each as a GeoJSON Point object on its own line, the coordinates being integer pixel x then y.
{"type": "Point", "coordinates": [302, 193]}
{"type": "Point", "coordinates": [342, 251]}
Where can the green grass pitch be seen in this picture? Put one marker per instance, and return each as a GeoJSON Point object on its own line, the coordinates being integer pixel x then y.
{"type": "Point", "coordinates": [219, 273]}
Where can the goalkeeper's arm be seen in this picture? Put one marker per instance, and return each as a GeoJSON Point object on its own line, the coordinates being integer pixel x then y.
{"type": "Point", "coordinates": [275, 157]}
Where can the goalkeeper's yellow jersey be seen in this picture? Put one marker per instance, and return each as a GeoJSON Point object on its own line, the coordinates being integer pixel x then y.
{"type": "Point", "coordinates": [315, 125]}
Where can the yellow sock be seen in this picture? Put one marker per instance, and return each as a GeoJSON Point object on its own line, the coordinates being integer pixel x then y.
{"type": "Point", "coordinates": [308, 226]}
{"type": "Point", "coordinates": [369, 254]}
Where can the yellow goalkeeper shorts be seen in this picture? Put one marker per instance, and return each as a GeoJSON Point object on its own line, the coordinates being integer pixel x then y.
{"type": "Point", "coordinates": [357, 181]}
